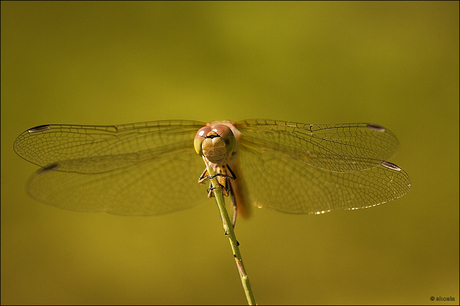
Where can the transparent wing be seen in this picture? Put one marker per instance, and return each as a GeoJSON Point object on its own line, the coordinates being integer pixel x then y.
{"type": "Point", "coordinates": [101, 148]}
{"type": "Point", "coordinates": [302, 168]}
{"type": "Point", "coordinates": [134, 169]}
{"type": "Point", "coordinates": [335, 147]}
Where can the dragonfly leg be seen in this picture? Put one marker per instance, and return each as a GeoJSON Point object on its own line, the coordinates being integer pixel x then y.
{"type": "Point", "coordinates": [233, 176]}
{"type": "Point", "coordinates": [204, 176]}
{"type": "Point", "coordinates": [210, 189]}
{"type": "Point", "coordinates": [225, 185]}
{"type": "Point", "coordinates": [225, 189]}
{"type": "Point", "coordinates": [224, 175]}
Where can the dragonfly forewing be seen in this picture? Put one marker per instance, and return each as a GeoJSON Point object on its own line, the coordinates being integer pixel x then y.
{"type": "Point", "coordinates": [334, 147]}
{"type": "Point", "coordinates": [101, 148]}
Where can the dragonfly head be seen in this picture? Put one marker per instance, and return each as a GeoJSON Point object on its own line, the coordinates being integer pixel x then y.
{"type": "Point", "coordinates": [216, 143]}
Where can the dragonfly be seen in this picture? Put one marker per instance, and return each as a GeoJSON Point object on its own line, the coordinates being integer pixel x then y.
{"type": "Point", "coordinates": [152, 168]}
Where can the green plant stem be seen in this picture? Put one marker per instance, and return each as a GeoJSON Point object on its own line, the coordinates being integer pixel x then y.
{"type": "Point", "coordinates": [228, 228]}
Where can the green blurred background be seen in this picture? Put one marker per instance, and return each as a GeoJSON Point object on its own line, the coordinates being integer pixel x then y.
{"type": "Point", "coordinates": [391, 63]}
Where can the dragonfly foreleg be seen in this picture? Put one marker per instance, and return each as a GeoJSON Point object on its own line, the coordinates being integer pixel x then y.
{"type": "Point", "coordinates": [224, 174]}
{"type": "Point", "coordinates": [224, 186]}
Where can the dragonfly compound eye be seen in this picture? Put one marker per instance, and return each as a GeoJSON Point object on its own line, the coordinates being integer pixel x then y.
{"type": "Point", "coordinates": [199, 138]}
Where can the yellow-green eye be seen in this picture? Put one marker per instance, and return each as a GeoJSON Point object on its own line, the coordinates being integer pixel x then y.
{"type": "Point", "coordinates": [199, 138]}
